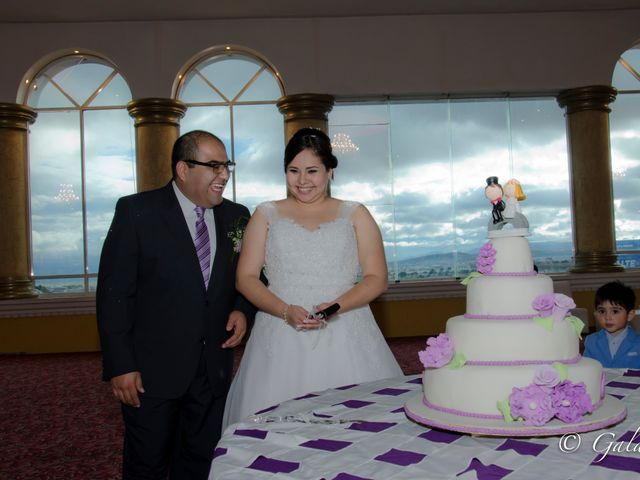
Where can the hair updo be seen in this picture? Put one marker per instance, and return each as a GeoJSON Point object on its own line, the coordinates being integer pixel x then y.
{"type": "Point", "coordinates": [310, 139]}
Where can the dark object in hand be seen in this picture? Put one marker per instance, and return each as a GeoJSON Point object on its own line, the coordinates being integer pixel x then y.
{"type": "Point", "coordinates": [327, 312]}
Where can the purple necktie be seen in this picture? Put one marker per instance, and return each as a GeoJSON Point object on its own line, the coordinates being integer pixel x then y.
{"type": "Point", "coordinates": [203, 248]}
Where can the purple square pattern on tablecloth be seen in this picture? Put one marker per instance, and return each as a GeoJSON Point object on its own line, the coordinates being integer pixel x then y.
{"type": "Point", "coordinates": [321, 415]}
{"type": "Point", "coordinates": [440, 436]}
{"type": "Point", "coordinates": [391, 391]}
{"type": "Point", "coordinates": [325, 444]}
{"type": "Point", "coordinates": [374, 427]}
{"type": "Point", "coordinates": [631, 373]}
{"type": "Point", "coordinates": [218, 452]}
{"type": "Point", "coordinates": [403, 458]}
{"type": "Point", "coordinates": [398, 410]}
{"type": "Point", "coordinates": [251, 432]}
{"type": "Point", "coordinates": [522, 448]}
{"type": "Point", "coordinates": [619, 397]}
{"type": "Point", "coordinates": [273, 465]}
{"type": "Point", "coordinates": [308, 395]}
{"type": "Point", "coordinates": [486, 472]}
{"type": "Point", "coordinates": [355, 403]}
{"type": "Point", "coordinates": [268, 409]}
{"type": "Point", "coordinates": [616, 462]}
{"type": "Point", "coordinates": [346, 476]}
{"type": "Point", "coordinates": [347, 387]}
{"type": "Point", "coordinates": [630, 437]}
{"type": "Point", "coordinates": [630, 386]}
{"type": "Point", "coordinates": [416, 380]}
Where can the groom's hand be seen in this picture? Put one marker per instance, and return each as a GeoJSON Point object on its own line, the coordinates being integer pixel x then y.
{"type": "Point", "coordinates": [126, 387]}
{"type": "Point", "coordinates": [238, 324]}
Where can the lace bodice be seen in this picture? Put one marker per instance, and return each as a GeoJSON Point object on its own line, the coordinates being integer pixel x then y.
{"type": "Point", "coordinates": [307, 267]}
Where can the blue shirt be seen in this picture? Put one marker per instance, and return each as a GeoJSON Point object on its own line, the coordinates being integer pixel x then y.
{"type": "Point", "coordinates": [626, 356]}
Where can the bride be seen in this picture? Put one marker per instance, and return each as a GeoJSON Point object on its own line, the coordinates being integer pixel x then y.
{"type": "Point", "coordinates": [316, 251]}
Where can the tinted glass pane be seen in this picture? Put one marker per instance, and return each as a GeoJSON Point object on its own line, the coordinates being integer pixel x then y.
{"type": "Point", "coordinates": [109, 171]}
{"type": "Point", "coordinates": [441, 154]}
{"type": "Point", "coordinates": [195, 90]}
{"type": "Point", "coordinates": [259, 152]}
{"type": "Point", "coordinates": [422, 189]}
{"type": "Point", "coordinates": [44, 94]}
{"type": "Point", "coordinates": [60, 285]}
{"type": "Point", "coordinates": [80, 80]}
{"type": "Point", "coordinates": [212, 119]}
{"type": "Point", "coordinates": [363, 175]}
{"type": "Point", "coordinates": [265, 87]}
{"type": "Point", "coordinates": [623, 79]}
{"type": "Point", "coordinates": [625, 164]}
{"type": "Point", "coordinates": [56, 206]}
{"type": "Point", "coordinates": [115, 93]}
{"type": "Point", "coordinates": [229, 74]}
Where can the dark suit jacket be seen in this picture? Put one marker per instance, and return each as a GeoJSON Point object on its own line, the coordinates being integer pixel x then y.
{"type": "Point", "coordinates": [152, 307]}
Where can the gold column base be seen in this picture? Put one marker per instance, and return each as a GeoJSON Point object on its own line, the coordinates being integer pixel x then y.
{"type": "Point", "coordinates": [596, 262]}
{"type": "Point", "coordinates": [12, 287]}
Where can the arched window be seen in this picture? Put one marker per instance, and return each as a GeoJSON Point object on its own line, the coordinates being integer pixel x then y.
{"type": "Point", "coordinates": [625, 156]}
{"type": "Point", "coordinates": [232, 93]}
{"type": "Point", "coordinates": [81, 160]}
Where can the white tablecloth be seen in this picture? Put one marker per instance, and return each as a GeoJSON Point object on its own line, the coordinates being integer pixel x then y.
{"type": "Point", "coordinates": [294, 443]}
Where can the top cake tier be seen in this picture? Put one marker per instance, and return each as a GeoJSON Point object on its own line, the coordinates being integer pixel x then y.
{"type": "Point", "coordinates": [513, 255]}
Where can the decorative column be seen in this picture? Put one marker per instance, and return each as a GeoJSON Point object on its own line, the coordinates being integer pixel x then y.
{"type": "Point", "coordinates": [157, 123]}
{"type": "Point", "coordinates": [587, 119]}
{"type": "Point", "coordinates": [305, 110]}
{"type": "Point", "coordinates": [15, 263]}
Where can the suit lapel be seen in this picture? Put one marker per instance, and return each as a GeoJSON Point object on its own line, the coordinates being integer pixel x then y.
{"type": "Point", "coordinates": [177, 226]}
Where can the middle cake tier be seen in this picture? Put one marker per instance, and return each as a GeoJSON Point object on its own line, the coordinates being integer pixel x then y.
{"type": "Point", "coordinates": [513, 340]}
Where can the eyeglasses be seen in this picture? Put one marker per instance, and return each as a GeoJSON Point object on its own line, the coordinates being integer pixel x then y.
{"type": "Point", "coordinates": [217, 167]}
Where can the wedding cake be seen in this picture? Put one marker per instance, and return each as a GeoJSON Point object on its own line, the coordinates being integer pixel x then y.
{"type": "Point", "coordinates": [511, 364]}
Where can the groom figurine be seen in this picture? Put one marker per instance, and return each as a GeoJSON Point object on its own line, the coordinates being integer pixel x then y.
{"type": "Point", "coordinates": [168, 312]}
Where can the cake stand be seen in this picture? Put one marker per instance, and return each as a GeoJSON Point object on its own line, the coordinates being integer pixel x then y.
{"type": "Point", "coordinates": [610, 412]}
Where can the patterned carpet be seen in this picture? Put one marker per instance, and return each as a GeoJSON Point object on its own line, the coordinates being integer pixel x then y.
{"type": "Point", "coordinates": [59, 421]}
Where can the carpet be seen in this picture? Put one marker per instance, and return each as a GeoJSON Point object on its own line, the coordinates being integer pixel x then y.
{"type": "Point", "coordinates": [59, 421]}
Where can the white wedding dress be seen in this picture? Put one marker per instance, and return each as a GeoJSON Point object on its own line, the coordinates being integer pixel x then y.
{"type": "Point", "coordinates": [308, 267]}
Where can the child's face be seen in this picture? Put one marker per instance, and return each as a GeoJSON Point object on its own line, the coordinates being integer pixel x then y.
{"type": "Point", "coordinates": [612, 317]}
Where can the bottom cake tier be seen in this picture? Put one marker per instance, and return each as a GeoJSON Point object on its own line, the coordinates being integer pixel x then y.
{"type": "Point", "coordinates": [475, 391]}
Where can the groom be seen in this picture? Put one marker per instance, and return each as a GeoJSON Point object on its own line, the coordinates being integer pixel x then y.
{"type": "Point", "coordinates": [168, 312]}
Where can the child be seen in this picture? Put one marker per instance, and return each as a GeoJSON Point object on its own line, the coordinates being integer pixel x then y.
{"type": "Point", "coordinates": [616, 345]}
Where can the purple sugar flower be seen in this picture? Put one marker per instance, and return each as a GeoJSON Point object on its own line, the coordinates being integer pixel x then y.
{"type": "Point", "coordinates": [486, 258]}
{"type": "Point", "coordinates": [438, 353]}
{"type": "Point", "coordinates": [544, 304]}
{"type": "Point", "coordinates": [562, 306]}
{"type": "Point", "coordinates": [571, 401]}
{"type": "Point", "coordinates": [546, 377]}
{"type": "Point", "coordinates": [531, 403]}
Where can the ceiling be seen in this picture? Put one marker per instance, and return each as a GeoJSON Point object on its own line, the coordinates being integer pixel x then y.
{"type": "Point", "coordinates": [17, 11]}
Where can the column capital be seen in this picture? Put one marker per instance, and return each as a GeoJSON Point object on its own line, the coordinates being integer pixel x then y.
{"type": "Point", "coordinates": [301, 106]}
{"type": "Point", "coordinates": [596, 97]}
{"type": "Point", "coordinates": [156, 110]}
{"type": "Point", "coordinates": [16, 116]}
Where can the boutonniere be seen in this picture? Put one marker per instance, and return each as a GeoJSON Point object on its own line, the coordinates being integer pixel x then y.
{"type": "Point", "coordinates": [236, 232]}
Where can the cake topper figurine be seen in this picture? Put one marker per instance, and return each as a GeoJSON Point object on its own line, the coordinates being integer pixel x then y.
{"type": "Point", "coordinates": [493, 191]}
{"type": "Point", "coordinates": [506, 211]}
